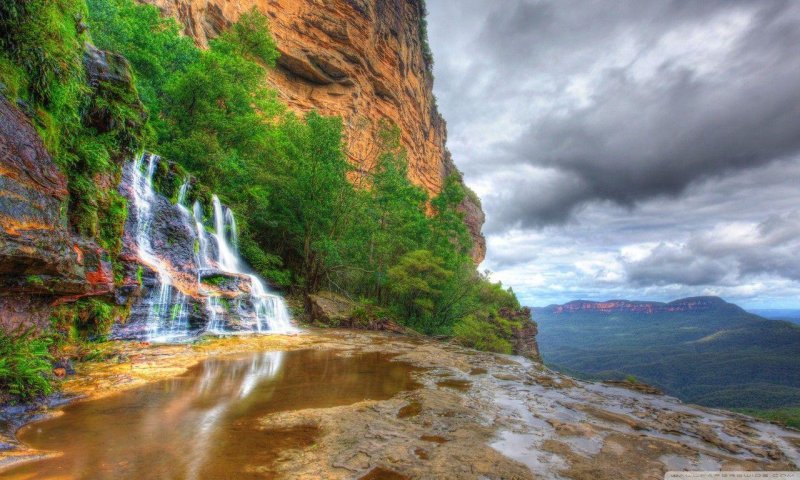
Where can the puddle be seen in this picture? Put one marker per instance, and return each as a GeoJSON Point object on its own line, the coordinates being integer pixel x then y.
{"type": "Point", "coordinates": [379, 473]}
{"type": "Point", "coordinates": [460, 385]}
{"type": "Point", "coordinates": [204, 424]}
{"type": "Point", "coordinates": [434, 439]}
{"type": "Point", "coordinates": [411, 410]}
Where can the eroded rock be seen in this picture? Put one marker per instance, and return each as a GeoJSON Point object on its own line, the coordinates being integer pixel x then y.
{"type": "Point", "coordinates": [41, 262]}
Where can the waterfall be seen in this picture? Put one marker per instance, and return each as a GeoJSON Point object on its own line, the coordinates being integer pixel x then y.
{"type": "Point", "coordinates": [228, 259]}
{"type": "Point", "coordinates": [184, 190]}
{"type": "Point", "coordinates": [202, 238]}
{"type": "Point", "coordinates": [271, 313]}
{"type": "Point", "coordinates": [167, 317]}
{"type": "Point", "coordinates": [244, 304]}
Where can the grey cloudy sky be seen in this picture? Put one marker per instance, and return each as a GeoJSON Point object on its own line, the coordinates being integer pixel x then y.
{"type": "Point", "coordinates": [629, 148]}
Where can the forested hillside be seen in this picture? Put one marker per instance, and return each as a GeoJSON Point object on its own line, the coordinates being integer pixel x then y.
{"type": "Point", "coordinates": [701, 350]}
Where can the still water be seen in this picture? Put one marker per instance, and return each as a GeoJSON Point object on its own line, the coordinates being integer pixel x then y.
{"type": "Point", "coordinates": [204, 424]}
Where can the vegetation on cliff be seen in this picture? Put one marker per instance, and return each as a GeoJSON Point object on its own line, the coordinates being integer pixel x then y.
{"type": "Point", "coordinates": [304, 225]}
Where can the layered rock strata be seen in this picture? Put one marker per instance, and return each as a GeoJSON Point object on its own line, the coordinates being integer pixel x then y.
{"type": "Point", "coordinates": [42, 263]}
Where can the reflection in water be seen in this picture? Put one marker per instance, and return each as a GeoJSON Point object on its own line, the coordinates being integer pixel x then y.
{"type": "Point", "coordinates": [205, 424]}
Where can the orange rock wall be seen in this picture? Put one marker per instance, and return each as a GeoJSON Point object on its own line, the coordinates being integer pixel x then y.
{"type": "Point", "coordinates": [359, 59]}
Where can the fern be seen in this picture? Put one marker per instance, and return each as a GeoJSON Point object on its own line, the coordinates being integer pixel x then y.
{"type": "Point", "coordinates": [25, 365]}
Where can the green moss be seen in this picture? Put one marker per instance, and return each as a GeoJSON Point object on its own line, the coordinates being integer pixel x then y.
{"type": "Point", "coordinates": [13, 81]}
{"type": "Point", "coordinates": [35, 280]}
{"type": "Point", "coordinates": [112, 223]}
{"type": "Point", "coordinates": [87, 319]}
{"type": "Point", "coordinates": [215, 280]}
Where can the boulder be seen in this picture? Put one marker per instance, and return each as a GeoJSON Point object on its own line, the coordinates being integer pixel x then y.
{"type": "Point", "coordinates": [330, 309]}
{"type": "Point", "coordinates": [225, 283]}
{"type": "Point", "coordinates": [333, 310]}
{"type": "Point", "coordinates": [109, 77]}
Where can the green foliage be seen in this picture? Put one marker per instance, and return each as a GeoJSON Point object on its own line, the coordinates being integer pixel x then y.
{"type": "Point", "coordinates": [427, 54]}
{"type": "Point", "coordinates": [250, 37]}
{"type": "Point", "coordinates": [86, 319]}
{"type": "Point", "coordinates": [785, 416]}
{"type": "Point", "coordinates": [417, 281]}
{"type": "Point", "coordinates": [13, 80]}
{"type": "Point", "coordinates": [112, 224]}
{"type": "Point", "coordinates": [311, 198]}
{"type": "Point", "coordinates": [24, 365]}
{"type": "Point", "coordinates": [480, 334]}
{"type": "Point", "coordinates": [365, 312]}
{"type": "Point", "coordinates": [41, 37]}
{"type": "Point", "coordinates": [42, 45]}
{"type": "Point", "coordinates": [151, 43]}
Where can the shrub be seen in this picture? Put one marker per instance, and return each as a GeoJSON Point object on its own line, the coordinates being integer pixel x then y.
{"type": "Point", "coordinates": [481, 335]}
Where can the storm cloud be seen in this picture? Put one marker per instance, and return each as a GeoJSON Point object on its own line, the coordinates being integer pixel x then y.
{"type": "Point", "coordinates": [669, 129]}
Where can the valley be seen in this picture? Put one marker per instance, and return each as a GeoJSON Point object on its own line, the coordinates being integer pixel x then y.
{"type": "Point", "coordinates": [702, 350]}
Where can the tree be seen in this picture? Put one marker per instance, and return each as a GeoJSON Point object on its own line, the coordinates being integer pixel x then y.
{"type": "Point", "coordinates": [311, 197]}
{"type": "Point", "coordinates": [417, 282]}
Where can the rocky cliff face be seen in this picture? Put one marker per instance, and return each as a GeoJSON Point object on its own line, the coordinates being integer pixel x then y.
{"type": "Point", "coordinates": [42, 263]}
{"type": "Point", "coordinates": [363, 60]}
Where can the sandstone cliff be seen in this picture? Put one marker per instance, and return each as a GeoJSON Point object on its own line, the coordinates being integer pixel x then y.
{"type": "Point", "coordinates": [363, 60]}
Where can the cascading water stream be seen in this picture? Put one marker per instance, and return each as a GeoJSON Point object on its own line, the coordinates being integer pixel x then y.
{"type": "Point", "coordinates": [167, 317]}
{"type": "Point", "coordinates": [263, 311]}
{"type": "Point", "coordinates": [271, 313]}
{"type": "Point", "coordinates": [184, 190]}
{"type": "Point", "coordinates": [202, 239]}
{"type": "Point", "coordinates": [228, 258]}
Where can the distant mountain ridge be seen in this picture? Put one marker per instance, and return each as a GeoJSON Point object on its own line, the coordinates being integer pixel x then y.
{"type": "Point", "coordinates": [701, 349]}
{"type": "Point", "coordinates": [690, 304]}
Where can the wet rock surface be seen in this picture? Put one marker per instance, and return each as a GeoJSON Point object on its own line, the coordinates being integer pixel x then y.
{"type": "Point", "coordinates": [41, 262]}
{"type": "Point", "coordinates": [509, 417]}
{"type": "Point", "coordinates": [175, 281]}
